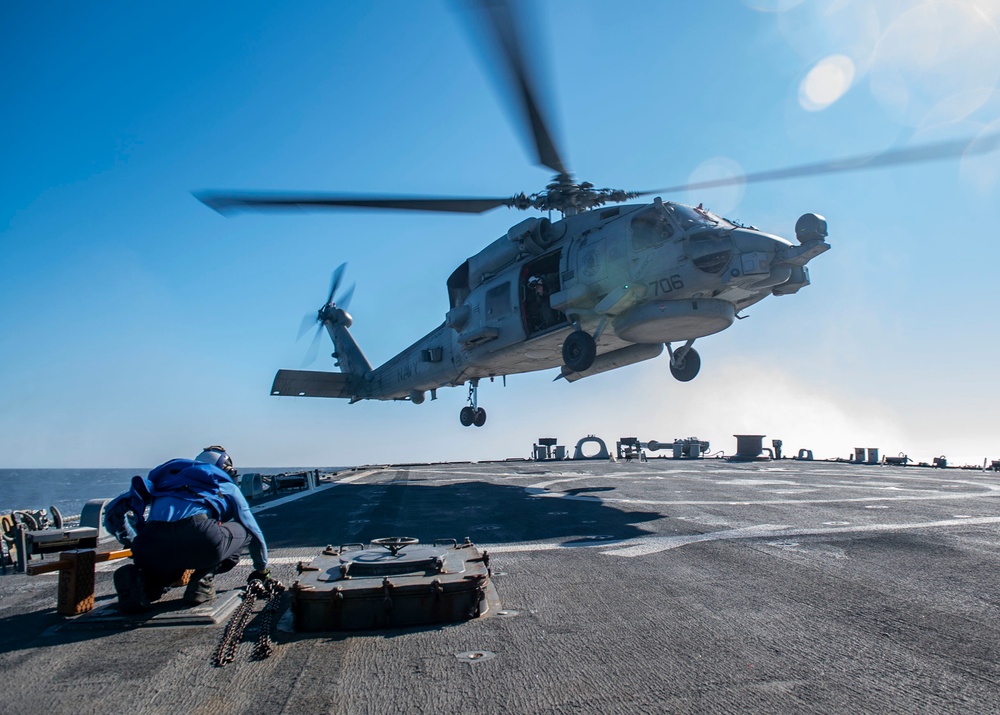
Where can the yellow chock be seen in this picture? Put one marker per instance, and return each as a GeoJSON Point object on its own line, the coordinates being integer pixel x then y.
{"type": "Point", "coordinates": [76, 577]}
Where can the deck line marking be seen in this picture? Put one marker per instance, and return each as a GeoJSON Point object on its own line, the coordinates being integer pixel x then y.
{"type": "Point", "coordinates": [540, 489]}
{"type": "Point", "coordinates": [646, 546]}
{"type": "Point", "coordinates": [302, 493]}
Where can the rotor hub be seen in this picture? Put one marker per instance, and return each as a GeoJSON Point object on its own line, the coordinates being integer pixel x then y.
{"type": "Point", "coordinates": [567, 196]}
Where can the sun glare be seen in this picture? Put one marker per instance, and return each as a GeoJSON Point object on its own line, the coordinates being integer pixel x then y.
{"type": "Point", "coordinates": [826, 82]}
{"type": "Point", "coordinates": [936, 63]}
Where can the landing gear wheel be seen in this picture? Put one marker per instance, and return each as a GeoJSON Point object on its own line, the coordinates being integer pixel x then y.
{"type": "Point", "coordinates": [480, 418]}
{"type": "Point", "coordinates": [579, 351]}
{"type": "Point", "coordinates": [688, 368]}
{"type": "Point", "coordinates": [467, 416]}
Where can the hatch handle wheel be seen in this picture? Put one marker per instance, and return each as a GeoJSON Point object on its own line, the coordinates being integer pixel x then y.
{"type": "Point", "coordinates": [395, 543]}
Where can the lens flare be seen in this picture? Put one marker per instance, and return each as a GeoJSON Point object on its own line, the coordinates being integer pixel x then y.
{"type": "Point", "coordinates": [826, 82]}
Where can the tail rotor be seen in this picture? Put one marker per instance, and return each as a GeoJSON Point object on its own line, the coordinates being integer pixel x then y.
{"type": "Point", "coordinates": [334, 311]}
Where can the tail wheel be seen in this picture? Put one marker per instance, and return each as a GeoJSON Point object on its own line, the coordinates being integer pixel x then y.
{"type": "Point", "coordinates": [480, 418]}
{"type": "Point", "coordinates": [468, 416]}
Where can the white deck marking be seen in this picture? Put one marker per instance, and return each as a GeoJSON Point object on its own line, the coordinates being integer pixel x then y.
{"type": "Point", "coordinates": [892, 493]}
{"type": "Point", "coordinates": [652, 545]}
{"type": "Point", "coordinates": [646, 545]}
{"type": "Point", "coordinates": [290, 498]}
{"type": "Point", "coordinates": [306, 492]}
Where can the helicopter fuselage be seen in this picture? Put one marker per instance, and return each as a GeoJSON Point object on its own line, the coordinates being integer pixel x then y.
{"type": "Point", "coordinates": [634, 277]}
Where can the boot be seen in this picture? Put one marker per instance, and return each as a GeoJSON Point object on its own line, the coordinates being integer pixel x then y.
{"type": "Point", "coordinates": [200, 588]}
{"type": "Point", "coordinates": [131, 589]}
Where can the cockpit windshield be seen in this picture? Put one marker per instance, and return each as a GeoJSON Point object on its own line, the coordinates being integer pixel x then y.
{"type": "Point", "coordinates": [690, 217]}
{"type": "Point", "coordinates": [650, 228]}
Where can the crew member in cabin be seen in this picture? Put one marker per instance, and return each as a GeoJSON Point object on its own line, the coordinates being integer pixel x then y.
{"type": "Point", "coordinates": [197, 519]}
{"type": "Point", "coordinates": [540, 313]}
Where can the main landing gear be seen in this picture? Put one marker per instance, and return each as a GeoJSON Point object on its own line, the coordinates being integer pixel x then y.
{"type": "Point", "coordinates": [579, 350]}
{"type": "Point", "coordinates": [684, 362]}
{"type": "Point", "coordinates": [472, 414]}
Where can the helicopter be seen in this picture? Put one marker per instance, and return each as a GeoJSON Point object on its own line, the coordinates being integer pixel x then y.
{"type": "Point", "coordinates": [606, 285]}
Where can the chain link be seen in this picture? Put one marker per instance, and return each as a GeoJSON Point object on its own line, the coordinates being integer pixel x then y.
{"type": "Point", "coordinates": [232, 636]}
{"type": "Point", "coordinates": [264, 645]}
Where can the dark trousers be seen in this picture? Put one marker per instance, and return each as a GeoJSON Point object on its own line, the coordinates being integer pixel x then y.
{"type": "Point", "coordinates": [164, 550]}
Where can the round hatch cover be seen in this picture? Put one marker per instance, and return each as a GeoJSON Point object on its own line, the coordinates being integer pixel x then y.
{"type": "Point", "coordinates": [384, 563]}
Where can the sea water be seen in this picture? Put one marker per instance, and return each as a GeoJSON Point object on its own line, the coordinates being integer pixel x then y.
{"type": "Point", "coordinates": [69, 489]}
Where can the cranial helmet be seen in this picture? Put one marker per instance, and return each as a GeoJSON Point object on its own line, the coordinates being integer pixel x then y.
{"type": "Point", "coordinates": [534, 280]}
{"type": "Point", "coordinates": [217, 456]}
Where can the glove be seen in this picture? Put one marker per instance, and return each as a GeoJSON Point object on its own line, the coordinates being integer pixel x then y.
{"type": "Point", "coordinates": [264, 575]}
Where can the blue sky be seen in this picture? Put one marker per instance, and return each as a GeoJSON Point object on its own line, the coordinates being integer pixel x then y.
{"type": "Point", "coordinates": [137, 325]}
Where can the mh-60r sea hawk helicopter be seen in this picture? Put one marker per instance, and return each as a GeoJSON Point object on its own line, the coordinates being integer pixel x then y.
{"type": "Point", "coordinates": [598, 289]}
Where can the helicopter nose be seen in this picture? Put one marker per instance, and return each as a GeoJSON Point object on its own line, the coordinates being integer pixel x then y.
{"type": "Point", "coordinates": [749, 241]}
{"type": "Point", "coordinates": [756, 257]}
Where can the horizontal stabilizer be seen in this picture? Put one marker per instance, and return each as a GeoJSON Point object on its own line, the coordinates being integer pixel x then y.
{"type": "Point", "coordinates": [310, 383]}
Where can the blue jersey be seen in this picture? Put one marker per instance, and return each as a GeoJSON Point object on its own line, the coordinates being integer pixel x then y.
{"type": "Point", "coordinates": [177, 490]}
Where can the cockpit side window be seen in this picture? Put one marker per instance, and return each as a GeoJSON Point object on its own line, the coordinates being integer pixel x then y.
{"type": "Point", "coordinates": [710, 251]}
{"type": "Point", "coordinates": [650, 228]}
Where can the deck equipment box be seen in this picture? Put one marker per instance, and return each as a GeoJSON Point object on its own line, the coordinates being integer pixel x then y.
{"type": "Point", "coordinates": [394, 582]}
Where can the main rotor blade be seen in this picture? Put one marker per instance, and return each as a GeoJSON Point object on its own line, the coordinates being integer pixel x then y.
{"type": "Point", "coordinates": [907, 155]}
{"type": "Point", "coordinates": [226, 202]}
{"type": "Point", "coordinates": [503, 28]}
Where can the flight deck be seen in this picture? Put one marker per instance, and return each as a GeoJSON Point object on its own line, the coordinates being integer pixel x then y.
{"type": "Point", "coordinates": [662, 586]}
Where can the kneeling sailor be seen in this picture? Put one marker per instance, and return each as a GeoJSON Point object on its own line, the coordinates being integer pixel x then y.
{"type": "Point", "coordinates": [198, 520]}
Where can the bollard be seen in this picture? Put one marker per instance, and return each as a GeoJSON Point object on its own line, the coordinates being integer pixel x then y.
{"type": "Point", "coordinates": [748, 446]}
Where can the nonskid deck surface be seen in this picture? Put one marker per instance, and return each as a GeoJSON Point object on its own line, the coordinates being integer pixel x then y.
{"type": "Point", "coordinates": [624, 587]}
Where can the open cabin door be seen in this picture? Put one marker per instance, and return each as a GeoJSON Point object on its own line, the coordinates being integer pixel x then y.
{"type": "Point", "coordinates": [539, 280]}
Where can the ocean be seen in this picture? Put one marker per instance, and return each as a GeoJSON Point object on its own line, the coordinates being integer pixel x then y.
{"type": "Point", "coordinates": [69, 489]}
